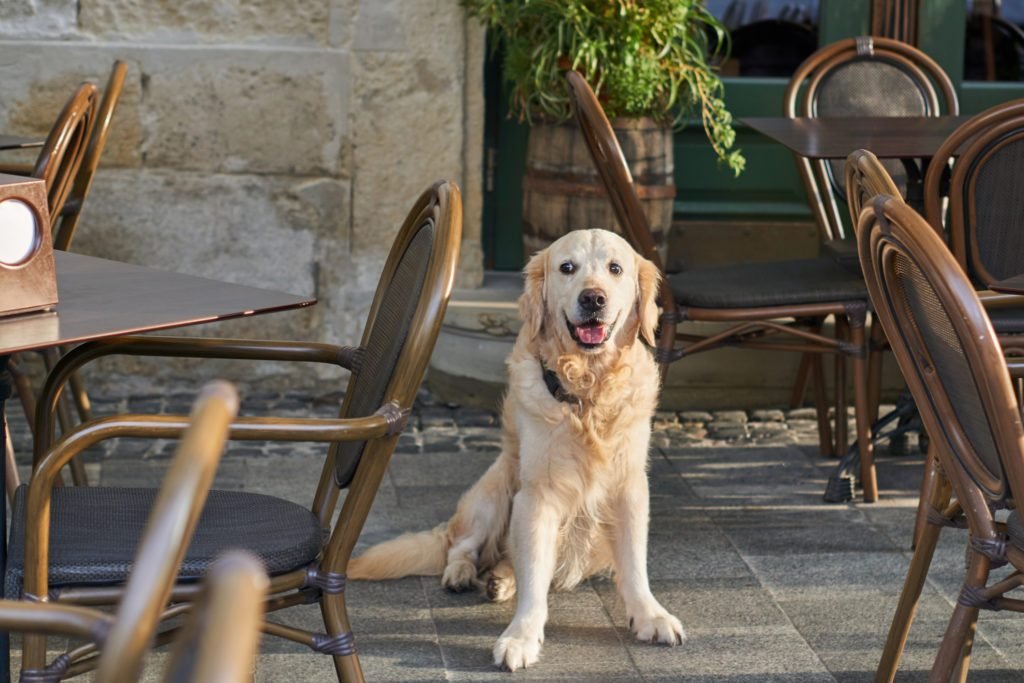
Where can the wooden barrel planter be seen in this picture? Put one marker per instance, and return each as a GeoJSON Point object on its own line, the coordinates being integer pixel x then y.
{"type": "Point", "coordinates": [562, 190]}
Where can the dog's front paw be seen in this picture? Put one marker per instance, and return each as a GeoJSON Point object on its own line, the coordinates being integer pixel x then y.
{"type": "Point", "coordinates": [654, 624]}
{"type": "Point", "coordinates": [459, 575]}
{"type": "Point", "coordinates": [517, 648]}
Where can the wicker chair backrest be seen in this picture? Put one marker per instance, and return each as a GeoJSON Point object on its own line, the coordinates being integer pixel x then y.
{"type": "Point", "coordinates": [945, 346]}
{"type": "Point", "coordinates": [867, 76]}
{"type": "Point", "coordinates": [79, 189]}
{"type": "Point", "coordinates": [64, 148]}
{"type": "Point", "coordinates": [986, 208]}
{"type": "Point", "coordinates": [866, 178]}
{"type": "Point", "coordinates": [405, 317]}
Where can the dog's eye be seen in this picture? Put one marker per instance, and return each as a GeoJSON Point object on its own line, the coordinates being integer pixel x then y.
{"type": "Point", "coordinates": [568, 267]}
{"type": "Point", "coordinates": [615, 268]}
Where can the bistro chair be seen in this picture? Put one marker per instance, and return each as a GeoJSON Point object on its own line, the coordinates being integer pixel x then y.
{"type": "Point", "coordinates": [62, 152]}
{"type": "Point", "coordinates": [67, 221]}
{"type": "Point", "coordinates": [222, 634]}
{"type": "Point", "coordinates": [979, 212]}
{"type": "Point", "coordinates": [117, 643]}
{"type": "Point", "coordinates": [304, 554]}
{"type": "Point", "coordinates": [78, 181]}
{"type": "Point", "coordinates": [772, 306]}
{"type": "Point", "coordinates": [865, 76]}
{"type": "Point", "coordinates": [952, 361]}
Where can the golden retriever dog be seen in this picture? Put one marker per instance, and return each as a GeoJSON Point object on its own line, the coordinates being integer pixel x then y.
{"type": "Point", "coordinates": [567, 497]}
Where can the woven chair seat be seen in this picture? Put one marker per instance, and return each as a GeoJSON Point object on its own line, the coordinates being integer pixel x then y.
{"type": "Point", "coordinates": [774, 283]}
{"type": "Point", "coordinates": [94, 532]}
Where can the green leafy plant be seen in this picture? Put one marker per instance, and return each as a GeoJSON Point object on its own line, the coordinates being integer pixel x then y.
{"type": "Point", "coordinates": [642, 57]}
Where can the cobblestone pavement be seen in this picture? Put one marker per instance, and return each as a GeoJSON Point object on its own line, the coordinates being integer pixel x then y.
{"type": "Point", "coordinates": [771, 583]}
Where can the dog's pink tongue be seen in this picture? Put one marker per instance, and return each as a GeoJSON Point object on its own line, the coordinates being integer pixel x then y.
{"type": "Point", "coordinates": [591, 334]}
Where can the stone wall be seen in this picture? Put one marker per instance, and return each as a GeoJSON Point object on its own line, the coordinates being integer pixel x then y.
{"type": "Point", "coordinates": [275, 143]}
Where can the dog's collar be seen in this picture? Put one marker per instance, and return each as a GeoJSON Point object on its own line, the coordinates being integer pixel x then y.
{"type": "Point", "coordinates": [555, 387]}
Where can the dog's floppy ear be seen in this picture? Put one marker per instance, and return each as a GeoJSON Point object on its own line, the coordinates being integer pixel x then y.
{"type": "Point", "coordinates": [533, 302]}
{"type": "Point", "coordinates": [648, 279]}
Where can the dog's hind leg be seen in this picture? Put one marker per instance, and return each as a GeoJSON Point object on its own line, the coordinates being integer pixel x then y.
{"type": "Point", "coordinates": [501, 584]}
{"type": "Point", "coordinates": [476, 531]}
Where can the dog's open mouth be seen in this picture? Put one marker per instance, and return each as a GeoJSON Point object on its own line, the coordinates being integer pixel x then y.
{"type": "Point", "coordinates": [589, 334]}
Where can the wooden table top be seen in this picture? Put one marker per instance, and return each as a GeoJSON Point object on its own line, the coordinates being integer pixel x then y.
{"type": "Point", "coordinates": [19, 142]}
{"type": "Point", "coordinates": [835, 138]}
{"type": "Point", "coordinates": [100, 298]}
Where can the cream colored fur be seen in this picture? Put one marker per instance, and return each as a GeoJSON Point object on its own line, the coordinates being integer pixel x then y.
{"type": "Point", "coordinates": [567, 497]}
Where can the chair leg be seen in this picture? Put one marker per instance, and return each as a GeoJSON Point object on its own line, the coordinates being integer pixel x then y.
{"type": "Point", "coordinates": [951, 658]}
{"type": "Point", "coordinates": [929, 479]}
{"type": "Point", "coordinates": [862, 410]}
{"type": "Point", "coordinates": [825, 442]}
{"type": "Point", "coordinates": [80, 397]}
{"type": "Point", "coordinates": [335, 615]}
{"type": "Point", "coordinates": [803, 378]}
{"type": "Point", "coordinates": [10, 466]}
{"type": "Point", "coordinates": [26, 395]}
{"type": "Point", "coordinates": [841, 420]}
{"type": "Point", "coordinates": [876, 344]}
{"type": "Point", "coordinates": [938, 499]}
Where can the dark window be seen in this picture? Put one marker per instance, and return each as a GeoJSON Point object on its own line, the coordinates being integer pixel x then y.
{"type": "Point", "coordinates": [994, 48]}
{"type": "Point", "coordinates": [769, 37]}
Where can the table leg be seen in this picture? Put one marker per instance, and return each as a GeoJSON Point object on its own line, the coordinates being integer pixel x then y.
{"type": "Point", "coordinates": [5, 638]}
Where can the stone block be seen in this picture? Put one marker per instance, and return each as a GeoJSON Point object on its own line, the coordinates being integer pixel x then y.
{"type": "Point", "coordinates": [38, 80]}
{"type": "Point", "coordinates": [38, 18]}
{"type": "Point", "coordinates": [246, 111]}
{"type": "Point", "coordinates": [196, 21]}
{"type": "Point", "coordinates": [408, 108]}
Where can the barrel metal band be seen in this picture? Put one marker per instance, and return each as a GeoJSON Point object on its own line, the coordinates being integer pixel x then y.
{"type": "Point", "coordinates": [331, 583]}
{"type": "Point", "coordinates": [340, 645]}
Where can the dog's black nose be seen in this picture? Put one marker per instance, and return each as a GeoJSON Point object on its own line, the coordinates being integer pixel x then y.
{"type": "Point", "coordinates": [592, 300]}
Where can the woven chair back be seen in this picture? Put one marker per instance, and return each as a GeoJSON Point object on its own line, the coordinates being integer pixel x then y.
{"type": "Point", "coordinates": [866, 76]}
{"type": "Point", "coordinates": [946, 348]}
{"type": "Point", "coordinates": [405, 316]}
{"type": "Point", "coordinates": [72, 209]}
{"type": "Point", "coordinates": [937, 179]}
{"type": "Point", "coordinates": [64, 148]}
{"type": "Point", "coordinates": [986, 208]}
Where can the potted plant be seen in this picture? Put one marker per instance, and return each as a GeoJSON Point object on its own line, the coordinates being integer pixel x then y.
{"type": "Point", "coordinates": [648, 63]}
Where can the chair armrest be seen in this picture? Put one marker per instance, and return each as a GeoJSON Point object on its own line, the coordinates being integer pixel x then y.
{"type": "Point", "coordinates": [389, 420]}
{"type": "Point", "coordinates": [348, 357]}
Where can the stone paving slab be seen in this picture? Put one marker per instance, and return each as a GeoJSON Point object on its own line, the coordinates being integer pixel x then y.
{"type": "Point", "coordinates": [772, 585]}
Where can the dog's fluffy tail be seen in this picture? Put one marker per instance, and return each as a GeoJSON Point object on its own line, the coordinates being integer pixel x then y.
{"type": "Point", "coordinates": [414, 554]}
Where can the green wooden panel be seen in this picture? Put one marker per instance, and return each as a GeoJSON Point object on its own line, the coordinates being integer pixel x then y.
{"type": "Point", "coordinates": [940, 33]}
{"type": "Point", "coordinates": [977, 96]}
{"type": "Point", "coordinates": [838, 19]}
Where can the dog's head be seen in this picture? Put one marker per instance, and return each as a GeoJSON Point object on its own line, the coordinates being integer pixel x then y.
{"type": "Point", "coordinates": [589, 291]}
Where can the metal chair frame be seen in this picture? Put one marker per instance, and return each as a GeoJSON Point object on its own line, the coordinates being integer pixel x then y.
{"type": "Point", "coordinates": [890, 231]}
{"type": "Point", "coordinates": [440, 208]}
